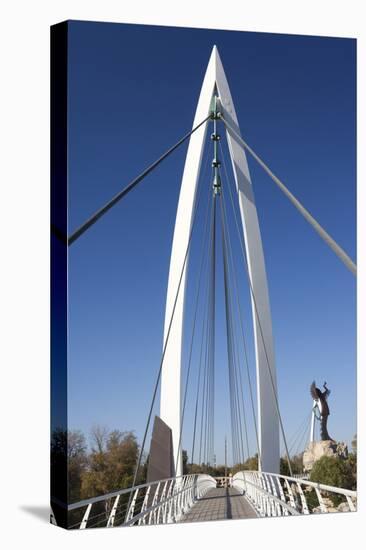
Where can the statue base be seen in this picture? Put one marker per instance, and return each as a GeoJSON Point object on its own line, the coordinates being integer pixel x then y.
{"type": "Point", "coordinates": [317, 449]}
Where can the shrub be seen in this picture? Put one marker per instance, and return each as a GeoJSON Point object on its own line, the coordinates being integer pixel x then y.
{"type": "Point", "coordinates": [333, 471]}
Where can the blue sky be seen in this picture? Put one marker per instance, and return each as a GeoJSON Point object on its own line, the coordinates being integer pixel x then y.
{"type": "Point", "coordinates": [133, 91]}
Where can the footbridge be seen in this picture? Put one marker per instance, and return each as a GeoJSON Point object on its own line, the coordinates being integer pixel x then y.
{"type": "Point", "coordinates": [196, 498]}
{"type": "Point", "coordinates": [226, 202]}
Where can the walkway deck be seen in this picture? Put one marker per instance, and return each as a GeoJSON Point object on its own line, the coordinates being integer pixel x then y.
{"type": "Point", "coordinates": [221, 503]}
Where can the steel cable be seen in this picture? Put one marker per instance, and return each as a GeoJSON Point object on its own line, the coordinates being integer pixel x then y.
{"type": "Point", "coordinates": [166, 340]}
{"type": "Point", "coordinates": [261, 333]}
{"type": "Point", "coordinates": [97, 215]}
{"type": "Point", "coordinates": [342, 255]}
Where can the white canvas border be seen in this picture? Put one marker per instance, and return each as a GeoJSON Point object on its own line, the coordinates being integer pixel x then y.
{"type": "Point", "coordinates": [25, 265]}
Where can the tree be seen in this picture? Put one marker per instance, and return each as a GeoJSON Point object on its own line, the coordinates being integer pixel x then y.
{"type": "Point", "coordinates": [185, 462]}
{"type": "Point", "coordinates": [111, 463]}
{"type": "Point", "coordinates": [333, 471]}
{"type": "Point", "coordinates": [77, 462]}
{"type": "Point", "coordinates": [99, 435]}
{"type": "Point", "coordinates": [194, 468]}
{"type": "Point", "coordinates": [354, 444]}
{"type": "Point", "coordinates": [352, 460]}
{"type": "Point", "coordinates": [220, 470]}
{"type": "Point", "coordinates": [296, 465]}
{"type": "Point", "coordinates": [250, 464]}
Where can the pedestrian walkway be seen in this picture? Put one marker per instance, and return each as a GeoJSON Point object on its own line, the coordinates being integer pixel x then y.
{"type": "Point", "coordinates": [220, 503]}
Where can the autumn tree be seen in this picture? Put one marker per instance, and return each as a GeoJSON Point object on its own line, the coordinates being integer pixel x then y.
{"type": "Point", "coordinates": [111, 463]}
{"type": "Point", "coordinates": [251, 463]}
{"type": "Point", "coordinates": [296, 465]}
{"type": "Point", "coordinates": [77, 462]}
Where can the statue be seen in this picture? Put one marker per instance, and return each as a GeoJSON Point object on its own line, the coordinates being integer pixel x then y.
{"type": "Point", "coordinates": [326, 446]}
{"type": "Point", "coordinates": [321, 404]}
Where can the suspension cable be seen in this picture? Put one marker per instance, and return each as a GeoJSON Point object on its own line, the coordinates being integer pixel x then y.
{"type": "Point", "coordinates": [97, 215]}
{"type": "Point", "coordinates": [342, 255]}
{"type": "Point", "coordinates": [236, 292]}
{"type": "Point", "coordinates": [238, 403]}
{"type": "Point", "coordinates": [231, 269]}
{"type": "Point", "coordinates": [204, 331]}
{"type": "Point", "coordinates": [204, 326]}
{"type": "Point", "coordinates": [261, 333]}
{"type": "Point", "coordinates": [234, 434]}
{"type": "Point", "coordinates": [208, 412]}
{"type": "Point", "coordinates": [237, 373]}
{"type": "Point", "coordinates": [242, 332]}
{"type": "Point", "coordinates": [166, 343]}
{"type": "Point", "coordinates": [212, 341]}
{"type": "Point", "coordinates": [205, 234]}
{"type": "Point", "coordinates": [206, 346]}
{"type": "Point", "coordinates": [295, 436]}
{"type": "Point", "coordinates": [204, 383]}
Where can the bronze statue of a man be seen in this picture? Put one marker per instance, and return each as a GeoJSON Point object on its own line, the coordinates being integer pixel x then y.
{"type": "Point", "coordinates": [322, 405]}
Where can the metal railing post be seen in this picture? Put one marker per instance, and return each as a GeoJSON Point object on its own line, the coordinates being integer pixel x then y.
{"type": "Point", "coordinates": [112, 515]}
{"type": "Point", "coordinates": [86, 517]}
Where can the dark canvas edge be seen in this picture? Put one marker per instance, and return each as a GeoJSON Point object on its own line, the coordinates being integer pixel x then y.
{"type": "Point", "coordinates": [59, 260]}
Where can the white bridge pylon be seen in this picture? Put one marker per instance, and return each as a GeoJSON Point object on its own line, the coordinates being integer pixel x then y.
{"type": "Point", "coordinates": [170, 400]}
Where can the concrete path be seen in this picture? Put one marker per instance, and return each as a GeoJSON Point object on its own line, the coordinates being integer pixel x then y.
{"type": "Point", "coordinates": [221, 503]}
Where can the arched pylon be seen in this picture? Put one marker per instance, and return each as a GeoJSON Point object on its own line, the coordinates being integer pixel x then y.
{"type": "Point", "coordinates": [170, 401]}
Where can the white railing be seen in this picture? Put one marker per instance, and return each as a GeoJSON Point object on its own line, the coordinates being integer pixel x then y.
{"type": "Point", "coordinates": [163, 501]}
{"type": "Point", "coordinates": [301, 476]}
{"type": "Point", "coordinates": [278, 495]}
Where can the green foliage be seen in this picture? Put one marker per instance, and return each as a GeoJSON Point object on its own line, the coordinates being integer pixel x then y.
{"type": "Point", "coordinates": [77, 461]}
{"type": "Point", "coordinates": [195, 468]}
{"type": "Point", "coordinates": [296, 465]}
{"type": "Point", "coordinates": [250, 464]}
{"type": "Point", "coordinates": [284, 467]}
{"type": "Point", "coordinates": [312, 499]}
{"type": "Point", "coordinates": [333, 471]}
{"type": "Point", "coordinates": [352, 461]}
{"type": "Point", "coordinates": [217, 471]}
{"type": "Point", "coordinates": [354, 444]}
{"type": "Point", "coordinates": [220, 470]}
{"type": "Point", "coordinates": [111, 463]}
